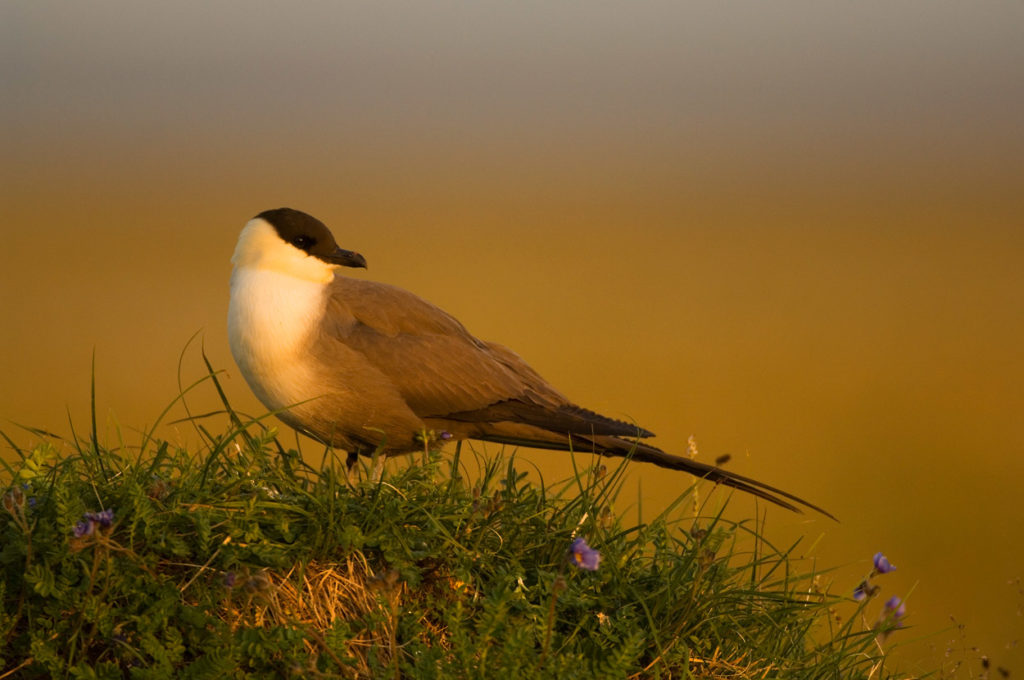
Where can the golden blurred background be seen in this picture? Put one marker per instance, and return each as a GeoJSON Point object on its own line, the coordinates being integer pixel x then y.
{"type": "Point", "coordinates": [794, 231]}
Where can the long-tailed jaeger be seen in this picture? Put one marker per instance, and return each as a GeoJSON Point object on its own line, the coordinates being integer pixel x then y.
{"type": "Point", "coordinates": [365, 366]}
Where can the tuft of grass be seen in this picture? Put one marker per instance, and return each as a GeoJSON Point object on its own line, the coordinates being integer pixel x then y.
{"type": "Point", "coordinates": [240, 559]}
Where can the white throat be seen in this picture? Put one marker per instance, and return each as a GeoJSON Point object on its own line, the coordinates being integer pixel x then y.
{"type": "Point", "coordinates": [272, 320]}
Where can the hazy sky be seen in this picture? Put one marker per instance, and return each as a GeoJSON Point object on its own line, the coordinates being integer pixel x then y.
{"type": "Point", "coordinates": [939, 72]}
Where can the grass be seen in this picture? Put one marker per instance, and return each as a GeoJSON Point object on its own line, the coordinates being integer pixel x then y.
{"type": "Point", "coordinates": [240, 559]}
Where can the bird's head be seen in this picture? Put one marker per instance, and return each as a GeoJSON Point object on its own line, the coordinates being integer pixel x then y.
{"type": "Point", "coordinates": [291, 242]}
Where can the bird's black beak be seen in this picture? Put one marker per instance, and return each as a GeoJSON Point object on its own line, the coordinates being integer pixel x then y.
{"type": "Point", "coordinates": [346, 258]}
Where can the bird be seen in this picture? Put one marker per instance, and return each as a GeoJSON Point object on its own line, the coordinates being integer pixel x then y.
{"type": "Point", "coordinates": [367, 367]}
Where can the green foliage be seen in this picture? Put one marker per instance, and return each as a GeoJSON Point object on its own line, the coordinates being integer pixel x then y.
{"type": "Point", "coordinates": [240, 560]}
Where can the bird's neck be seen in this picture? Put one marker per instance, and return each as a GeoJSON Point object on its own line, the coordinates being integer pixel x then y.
{"type": "Point", "coordinates": [272, 319]}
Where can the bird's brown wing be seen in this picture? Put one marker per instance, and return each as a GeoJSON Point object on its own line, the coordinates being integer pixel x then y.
{"type": "Point", "coordinates": [442, 371]}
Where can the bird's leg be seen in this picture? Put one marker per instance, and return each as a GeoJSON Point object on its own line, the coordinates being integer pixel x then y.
{"type": "Point", "coordinates": [379, 459]}
{"type": "Point", "coordinates": [352, 465]}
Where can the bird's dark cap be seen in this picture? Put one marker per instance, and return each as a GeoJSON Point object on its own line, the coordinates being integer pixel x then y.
{"type": "Point", "coordinates": [311, 236]}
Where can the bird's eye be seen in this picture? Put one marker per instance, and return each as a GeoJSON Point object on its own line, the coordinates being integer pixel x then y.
{"type": "Point", "coordinates": [303, 242]}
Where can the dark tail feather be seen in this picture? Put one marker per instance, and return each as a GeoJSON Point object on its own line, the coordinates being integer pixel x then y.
{"type": "Point", "coordinates": [613, 446]}
{"type": "Point", "coordinates": [649, 454]}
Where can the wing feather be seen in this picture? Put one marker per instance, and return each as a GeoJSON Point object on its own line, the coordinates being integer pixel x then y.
{"type": "Point", "coordinates": [442, 371]}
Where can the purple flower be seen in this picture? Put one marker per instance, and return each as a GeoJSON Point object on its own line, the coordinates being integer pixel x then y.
{"type": "Point", "coordinates": [882, 564]}
{"type": "Point", "coordinates": [229, 579]}
{"type": "Point", "coordinates": [895, 608]}
{"type": "Point", "coordinates": [860, 592]}
{"type": "Point", "coordinates": [864, 590]}
{"type": "Point", "coordinates": [91, 520]}
{"type": "Point", "coordinates": [583, 556]}
{"type": "Point", "coordinates": [445, 435]}
{"type": "Point", "coordinates": [891, 618]}
{"type": "Point", "coordinates": [104, 517]}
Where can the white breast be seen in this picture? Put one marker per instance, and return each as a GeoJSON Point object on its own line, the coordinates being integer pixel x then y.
{"type": "Point", "coordinates": [271, 318]}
